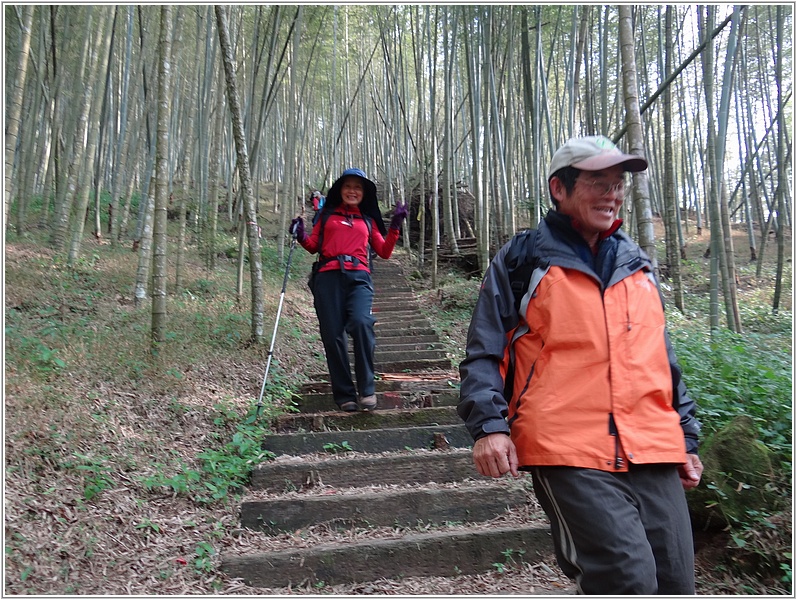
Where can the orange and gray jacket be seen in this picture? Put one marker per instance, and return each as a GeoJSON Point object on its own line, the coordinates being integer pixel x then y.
{"type": "Point", "coordinates": [596, 382]}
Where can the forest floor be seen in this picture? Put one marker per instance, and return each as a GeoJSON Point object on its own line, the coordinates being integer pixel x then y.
{"type": "Point", "coordinates": [92, 421]}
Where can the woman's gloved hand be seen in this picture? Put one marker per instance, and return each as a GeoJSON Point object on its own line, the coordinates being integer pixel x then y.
{"type": "Point", "coordinates": [297, 229]}
{"type": "Point", "coordinates": [399, 215]}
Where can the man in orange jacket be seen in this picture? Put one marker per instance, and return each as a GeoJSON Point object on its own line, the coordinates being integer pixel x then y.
{"type": "Point", "coordinates": [597, 411]}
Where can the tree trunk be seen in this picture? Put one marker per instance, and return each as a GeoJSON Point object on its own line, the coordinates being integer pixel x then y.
{"type": "Point", "coordinates": [670, 193]}
{"type": "Point", "coordinates": [474, 101]}
{"type": "Point", "coordinates": [120, 151]}
{"type": "Point", "coordinates": [15, 104]}
{"type": "Point", "coordinates": [530, 111]}
{"type": "Point", "coordinates": [144, 245]}
{"type": "Point", "coordinates": [211, 227]}
{"type": "Point", "coordinates": [432, 56]}
{"type": "Point", "coordinates": [186, 178]}
{"type": "Point", "coordinates": [87, 155]}
{"type": "Point", "coordinates": [781, 164]}
{"type": "Point", "coordinates": [243, 170]}
{"type": "Point", "coordinates": [66, 192]}
{"type": "Point", "coordinates": [636, 141]}
{"type": "Point", "coordinates": [32, 151]}
{"type": "Point", "coordinates": [417, 53]}
{"type": "Point", "coordinates": [712, 176]}
{"type": "Point", "coordinates": [448, 133]}
{"type": "Point", "coordinates": [159, 240]}
{"type": "Point", "coordinates": [104, 121]}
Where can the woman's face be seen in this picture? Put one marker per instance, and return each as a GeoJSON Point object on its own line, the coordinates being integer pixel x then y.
{"type": "Point", "coordinates": [352, 191]}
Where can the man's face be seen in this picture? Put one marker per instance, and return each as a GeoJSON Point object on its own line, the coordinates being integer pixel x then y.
{"type": "Point", "coordinates": [595, 200]}
{"type": "Point", "coordinates": [352, 191]}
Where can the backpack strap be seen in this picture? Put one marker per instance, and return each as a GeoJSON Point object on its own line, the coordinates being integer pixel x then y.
{"type": "Point", "coordinates": [521, 262]}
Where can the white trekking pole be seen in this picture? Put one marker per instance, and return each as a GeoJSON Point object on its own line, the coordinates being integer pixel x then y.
{"type": "Point", "coordinates": [276, 321]}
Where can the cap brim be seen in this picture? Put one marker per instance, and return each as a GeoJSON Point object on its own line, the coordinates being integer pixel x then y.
{"type": "Point", "coordinates": [629, 162]}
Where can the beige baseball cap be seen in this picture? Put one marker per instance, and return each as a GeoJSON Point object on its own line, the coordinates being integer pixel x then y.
{"type": "Point", "coordinates": [594, 153]}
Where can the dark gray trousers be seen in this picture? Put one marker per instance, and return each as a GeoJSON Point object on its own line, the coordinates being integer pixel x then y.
{"type": "Point", "coordinates": [343, 301]}
{"type": "Point", "coordinates": [619, 533]}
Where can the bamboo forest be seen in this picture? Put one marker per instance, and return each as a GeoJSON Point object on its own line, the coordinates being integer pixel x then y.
{"type": "Point", "coordinates": [156, 156]}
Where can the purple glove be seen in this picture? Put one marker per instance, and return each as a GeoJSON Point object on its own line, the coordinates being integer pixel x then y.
{"type": "Point", "coordinates": [297, 229]}
{"type": "Point", "coordinates": [399, 215]}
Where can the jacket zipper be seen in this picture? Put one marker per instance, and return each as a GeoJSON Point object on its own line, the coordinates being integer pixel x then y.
{"type": "Point", "coordinates": [618, 461]}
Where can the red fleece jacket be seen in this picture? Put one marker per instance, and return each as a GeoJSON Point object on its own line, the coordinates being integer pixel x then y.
{"type": "Point", "coordinates": [346, 233]}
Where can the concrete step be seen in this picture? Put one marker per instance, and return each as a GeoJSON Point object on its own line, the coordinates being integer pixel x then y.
{"type": "Point", "coordinates": [383, 333]}
{"type": "Point", "coordinates": [400, 325]}
{"type": "Point", "coordinates": [432, 382]}
{"type": "Point", "coordinates": [443, 553]}
{"type": "Point", "coordinates": [409, 365]}
{"type": "Point", "coordinates": [389, 419]}
{"type": "Point", "coordinates": [384, 355]}
{"type": "Point", "coordinates": [398, 338]}
{"type": "Point", "coordinates": [408, 344]}
{"type": "Point", "coordinates": [321, 402]}
{"type": "Point", "coordinates": [396, 296]}
{"type": "Point", "coordinates": [392, 279]}
{"type": "Point", "coordinates": [385, 313]}
{"type": "Point", "coordinates": [403, 507]}
{"type": "Point", "coordinates": [390, 337]}
{"type": "Point", "coordinates": [362, 470]}
{"type": "Point", "coordinates": [371, 441]}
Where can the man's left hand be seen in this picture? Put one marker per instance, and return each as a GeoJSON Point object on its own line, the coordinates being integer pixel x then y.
{"type": "Point", "coordinates": [691, 471]}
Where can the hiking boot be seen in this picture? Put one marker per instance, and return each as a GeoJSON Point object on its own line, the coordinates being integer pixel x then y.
{"type": "Point", "coordinates": [349, 406]}
{"type": "Point", "coordinates": [367, 403]}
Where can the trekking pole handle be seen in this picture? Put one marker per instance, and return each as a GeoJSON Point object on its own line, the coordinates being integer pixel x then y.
{"type": "Point", "coordinates": [293, 229]}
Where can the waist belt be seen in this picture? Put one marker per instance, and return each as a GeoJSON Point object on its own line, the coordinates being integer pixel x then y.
{"type": "Point", "coordinates": [342, 260]}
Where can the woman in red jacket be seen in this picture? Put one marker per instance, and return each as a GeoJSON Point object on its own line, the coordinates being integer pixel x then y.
{"type": "Point", "coordinates": [349, 223]}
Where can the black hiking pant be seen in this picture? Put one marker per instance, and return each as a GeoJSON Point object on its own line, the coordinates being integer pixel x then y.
{"type": "Point", "coordinates": [343, 301]}
{"type": "Point", "coordinates": [620, 533]}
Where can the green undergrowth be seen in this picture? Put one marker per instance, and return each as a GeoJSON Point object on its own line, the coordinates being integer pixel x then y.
{"type": "Point", "coordinates": [78, 355]}
{"type": "Point", "coordinates": [224, 467]}
{"type": "Point", "coordinates": [731, 374]}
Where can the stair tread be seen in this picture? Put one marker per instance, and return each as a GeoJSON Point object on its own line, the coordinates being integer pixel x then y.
{"type": "Point", "coordinates": [321, 492]}
{"type": "Point", "coordinates": [383, 506]}
{"type": "Point", "coordinates": [377, 440]}
{"type": "Point", "coordinates": [440, 553]}
{"type": "Point", "coordinates": [350, 470]}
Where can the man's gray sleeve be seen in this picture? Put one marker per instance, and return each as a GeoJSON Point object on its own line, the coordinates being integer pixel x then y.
{"type": "Point", "coordinates": [682, 402]}
{"type": "Point", "coordinates": [482, 404]}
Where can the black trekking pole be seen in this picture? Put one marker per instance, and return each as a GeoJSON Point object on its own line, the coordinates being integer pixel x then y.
{"type": "Point", "coordinates": [277, 320]}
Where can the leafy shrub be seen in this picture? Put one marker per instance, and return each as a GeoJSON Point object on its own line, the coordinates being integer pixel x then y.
{"type": "Point", "coordinates": [759, 318]}
{"type": "Point", "coordinates": [730, 375]}
{"type": "Point", "coordinates": [223, 469]}
{"type": "Point", "coordinates": [96, 474]}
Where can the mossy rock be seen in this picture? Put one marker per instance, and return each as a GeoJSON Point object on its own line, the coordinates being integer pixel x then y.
{"type": "Point", "coordinates": [737, 477]}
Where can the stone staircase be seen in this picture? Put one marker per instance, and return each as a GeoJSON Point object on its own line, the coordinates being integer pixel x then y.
{"type": "Point", "coordinates": [398, 484]}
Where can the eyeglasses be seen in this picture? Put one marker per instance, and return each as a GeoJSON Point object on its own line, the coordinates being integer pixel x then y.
{"type": "Point", "coordinates": [603, 188]}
